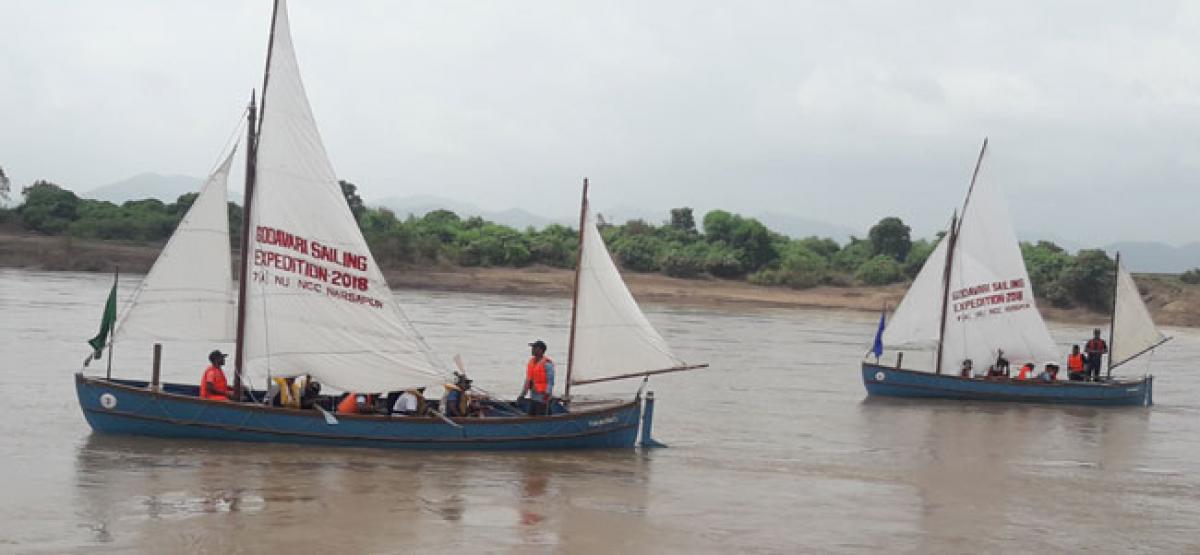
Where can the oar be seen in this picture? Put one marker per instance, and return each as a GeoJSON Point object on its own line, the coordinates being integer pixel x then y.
{"type": "Point", "coordinates": [445, 418]}
{"type": "Point", "coordinates": [329, 418]}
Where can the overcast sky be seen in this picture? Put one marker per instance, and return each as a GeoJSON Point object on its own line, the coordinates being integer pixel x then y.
{"type": "Point", "coordinates": [839, 111]}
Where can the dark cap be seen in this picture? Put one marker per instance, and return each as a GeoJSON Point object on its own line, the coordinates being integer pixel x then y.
{"type": "Point", "coordinates": [538, 343]}
{"type": "Point", "coordinates": [216, 355]}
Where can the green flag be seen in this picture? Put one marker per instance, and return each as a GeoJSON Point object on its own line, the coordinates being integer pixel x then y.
{"type": "Point", "coordinates": [106, 322]}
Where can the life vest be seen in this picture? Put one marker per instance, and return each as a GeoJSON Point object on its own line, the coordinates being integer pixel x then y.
{"type": "Point", "coordinates": [289, 393]}
{"type": "Point", "coordinates": [215, 377]}
{"type": "Point", "coordinates": [535, 374]}
{"type": "Point", "coordinates": [1025, 371]}
{"type": "Point", "coordinates": [349, 405]}
{"type": "Point", "coordinates": [1075, 363]}
{"type": "Point", "coordinates": [1095, 346]}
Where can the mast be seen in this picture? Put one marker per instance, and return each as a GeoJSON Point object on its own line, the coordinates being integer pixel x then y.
{"type": "Point", "coordinates": [937, 363]}
{"type": "Point", "coordinates": [955, 226]}
{"type": "Point", "coordinates": [1112, 322]}
{"type": "Point", "coordinates": [244, 258]}
{"type": "Point", "coordinates": [583, 206]}
{"type": "Point", "coordinates": [252, 121]}
{"type": "Point", "coordinates": [112, 329]}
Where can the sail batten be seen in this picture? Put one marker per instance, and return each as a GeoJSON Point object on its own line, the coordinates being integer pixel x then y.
{"type": "Point", "coordinates": [317, 302]}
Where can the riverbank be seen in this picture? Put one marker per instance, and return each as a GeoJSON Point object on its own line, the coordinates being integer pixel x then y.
{"type": "Point", "coordinates": [1171, 302]}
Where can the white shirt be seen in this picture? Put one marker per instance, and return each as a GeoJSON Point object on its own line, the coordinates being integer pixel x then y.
{"type": "Point", "coordinates": [406, 403]}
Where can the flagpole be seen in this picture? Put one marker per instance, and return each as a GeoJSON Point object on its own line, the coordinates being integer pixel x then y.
{"type": "Point", "coordinates": [112, 330]}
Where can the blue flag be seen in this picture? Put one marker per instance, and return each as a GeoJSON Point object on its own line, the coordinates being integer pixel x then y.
{"type": "Point", "coordinates": [877, 349]}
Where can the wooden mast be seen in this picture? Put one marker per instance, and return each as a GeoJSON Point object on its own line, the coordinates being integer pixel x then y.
{"type": "Point", "coordinates": [244, 257]}
{"type": "Point", "coordinates": [937, 363]}
{"type": "Point", "coordinates": [955, 226]}
{"type": "Point", "coordinates": [1112, 322]}
{"type": "Point", "coordinates": [583, 206]}
{"type": "Point", "coordinates": [252, 124]}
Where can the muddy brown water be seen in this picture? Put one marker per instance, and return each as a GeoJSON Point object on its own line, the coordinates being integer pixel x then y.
{"type": "Point", "coordinates": [773, 449]}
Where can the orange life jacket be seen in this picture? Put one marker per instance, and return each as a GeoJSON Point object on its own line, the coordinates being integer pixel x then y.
{"type": "Point", "coordinates": [1075, 363]}
{"type": "Point", "coordinates": [1025, 371]}
{"type": "Point", "coordinates": [535, 372]}
{"type": "Point", "coordinates": [215, 377]}
{"type": "Point", "coordinates": [1095, 345]}
{"type": "Point", "coordinates": [349, 405]}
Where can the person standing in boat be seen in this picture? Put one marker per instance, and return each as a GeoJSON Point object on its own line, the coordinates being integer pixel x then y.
{"type": "Point", "coordinates": [1095, 348]}
{"type": "Point", "coordinates": [1075, 365]}
{"type": "Point", "coordinates": [539, 379]}
{"type": "Point", "coordinates": [213, 386]}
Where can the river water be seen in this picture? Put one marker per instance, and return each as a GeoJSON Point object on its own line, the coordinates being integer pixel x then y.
{"type": "Point", "coordinates": [773, 449]}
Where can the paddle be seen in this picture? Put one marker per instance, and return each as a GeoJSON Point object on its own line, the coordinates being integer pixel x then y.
{"type": "Point", "coordinates": [444, 418]}
{"type": "Point", "coordinates": [329, 418]}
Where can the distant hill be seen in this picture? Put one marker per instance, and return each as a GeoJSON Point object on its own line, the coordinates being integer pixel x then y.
{"type": "Point", "coordinates": [166, 188]}
{"type": "Point", "coordinates": [1146, 256]}
{"type": "Point", "coordinates": [419, 205]}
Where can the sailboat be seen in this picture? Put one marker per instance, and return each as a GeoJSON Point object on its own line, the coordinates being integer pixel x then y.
{"type": "Point", "coordinates": [311, 301]}
{"type": "Point", "coordinates": [973, 300]}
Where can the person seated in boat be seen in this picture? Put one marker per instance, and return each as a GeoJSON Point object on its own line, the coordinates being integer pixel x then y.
{"type": "Point", "coordinates": [1001, 364]}
{"type": "Point", "coordinates": [1095, 348]}
{"type": "Point", "coordinates": [357, 403]}
{"type": "Point", "coordinates": [1049, 372]}
{"type": "Point", "coordinates": [410, 403]}
{"type": "Point", "coordinates": [213, 386]}
{"type": "Point", "coordinates": [966, 368]}
{"type": "Point", "coordinates": [1026, 371]}
{"type": "Point", "coordinates": [1075, 365]}
{"type": "Point", "coordinates": [311, 393]}
{"type": "Point", "coordinates": [284, 392]}
{"type": "Point", "coordinates": [456, 401]}
{"type": "Point", "coordinates": [539, 379]}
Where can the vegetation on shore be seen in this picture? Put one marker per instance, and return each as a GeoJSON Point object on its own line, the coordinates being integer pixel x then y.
{"type": "Point", "coordinates": [721, 245]}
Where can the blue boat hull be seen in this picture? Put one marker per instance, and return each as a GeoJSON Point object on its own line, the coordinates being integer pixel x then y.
{"type": "Point", "coordinates": [894, 382]}
{"type": "Point", "coordinates": [129, 407]}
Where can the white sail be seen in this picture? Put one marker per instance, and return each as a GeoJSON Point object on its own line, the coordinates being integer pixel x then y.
{"type": "Point", "coordinates": [187, 295]}
{"type": "Point", "coordinates": [612, 335]}
{"type": "Point", "coordinates": [316, 302]}
{"type": "Point", "coordinates": [915, 323]}
{"type": "Point", "coordinates": [1133, 328]}
{"type": "Point", "coordinates": [991, 305]}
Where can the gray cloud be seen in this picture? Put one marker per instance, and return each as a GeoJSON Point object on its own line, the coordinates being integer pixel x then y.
{"type": "Point", "coordinates": [841, 111]}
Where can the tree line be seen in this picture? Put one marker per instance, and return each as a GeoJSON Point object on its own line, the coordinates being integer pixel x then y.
{"type": "Point", "coordinates": [720, 245]}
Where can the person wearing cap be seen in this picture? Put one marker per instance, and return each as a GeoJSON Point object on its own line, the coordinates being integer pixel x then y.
{"type": "Point", "coordinates": [1095, 348]}
{"type": "Point", "coordinates": [539, 379]}
{"type": "Point", "coordinates": [213, 386]}
{"type": "Point", "coordinates": [966, 368]}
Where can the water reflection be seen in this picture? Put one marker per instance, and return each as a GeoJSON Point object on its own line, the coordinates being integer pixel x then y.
{"type": "Point", "coordinates": [135, 490]}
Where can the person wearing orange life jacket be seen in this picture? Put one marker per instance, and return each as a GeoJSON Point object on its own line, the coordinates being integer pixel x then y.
{"type": "Point", "coordinates": [356, 403]}
{"type": "Point", "coordinates": [1075, 365]}
{"type": "Point", "coordinates": [213, 386]}
{"type": "Point", "coordinates": [1026, 371]}
{"type": "Point", "coordinates": [1095, 348]}
{"type": "Point", "coordinates": [539, 379]}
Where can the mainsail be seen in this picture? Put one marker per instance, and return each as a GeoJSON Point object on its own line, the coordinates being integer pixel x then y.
{"type": "Point", "coordinates": [187, 295]}
{"type": "Point", "coordinates": [1133, 330]}
{"type": "Point", "coordinates": [612, 337]}
{"type": "Point", "coordinates": [989, 303]}
{"type": "Point", "coordinates": [316, 301]}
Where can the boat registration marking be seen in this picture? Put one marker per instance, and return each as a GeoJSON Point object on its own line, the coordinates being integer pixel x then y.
{"type": "Point", "coordinates": [108, 401]}
{"type": "Point", "coordinates": [879, 376]}
{"type": "Point", "coordinates": [602, 422]}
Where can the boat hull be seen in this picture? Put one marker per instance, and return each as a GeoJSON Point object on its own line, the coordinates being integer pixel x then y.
{"type": "Point", "coordinates": [130, 408]}
{"type": "Point", "coordinates": [894, 382]}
